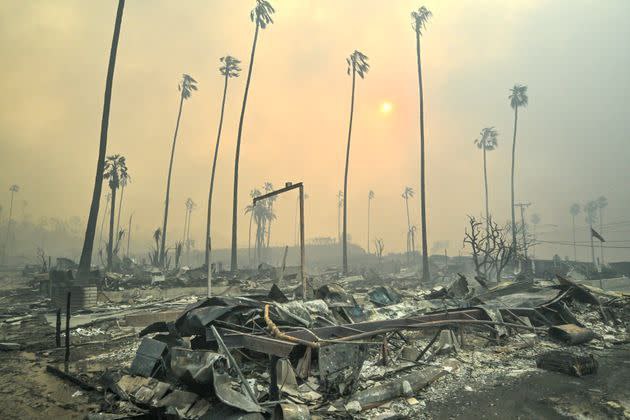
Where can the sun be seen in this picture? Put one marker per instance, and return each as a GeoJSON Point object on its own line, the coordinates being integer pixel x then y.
{"type": "Point", "coordinates": [386, 107]}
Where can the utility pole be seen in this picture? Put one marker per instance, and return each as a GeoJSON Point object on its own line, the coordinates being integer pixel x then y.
{"type": "Point", "coordinates": [523, 206]}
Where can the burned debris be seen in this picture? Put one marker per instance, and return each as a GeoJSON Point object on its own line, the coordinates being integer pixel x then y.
{"type": "Point", "coordinates": [356, 349]}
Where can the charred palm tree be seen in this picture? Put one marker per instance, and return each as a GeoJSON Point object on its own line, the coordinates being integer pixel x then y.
{"type": "Point", "coordinates": [13, 189]}
{"type": "Point", "coordinates": [411, 245]}
{"type": "Point", "coordinates": [185, 87]}
{"type": "Point", "coordinates": [487, 142]}
{"type": "Point", "coordinates": [90, 231]}
{"type": "Point", "coordinates": [518, 99]}
{"type": "Point", "coordinates": [123, 184]}
{"type": "Point", "coordinates": [357, 64]}
{"type": "Point", "coordinates": [261, 16]}
{"type": "Point", "coordinates": [115, 172]}
{"type": "Point", "coordinates": [268, 188]}
{"type": "Point", "coordinates": [229, 69]}
{"type": "Point", "coordinates": [370, 198]}
{"type": "Point", "coordinates": [250, 209]}
{"type": "Point", "coordinates": [574, 210]}
{"type": "Point", "coordinates": [419, 20]}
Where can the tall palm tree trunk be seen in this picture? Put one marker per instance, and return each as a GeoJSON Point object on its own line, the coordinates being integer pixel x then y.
{"type": "Point", "coordinates": [234, 258]}
{"type": "Point", "coordinates": [90, 231]}
{"type": "Point", "coordinates": [512, 182]}
{"type": "Point", "coordinates": [6, 240]}
{"type": "Point", "coordinates": [574, 245]}
{"type": "Point", "coordinates": [168, 183]}
{"type": "Point", "coordinates": [249, 240]}
{"type": "Point", "coordinates": [120, 202]}
{"type": "Point", "coordinates": [423, 205]}
{"type": "Point", "coordinates": [345, 180]}
{"type": "Point", "coordinates": [129, 234]}
{"type": "Point", "coordinates": [269, 227]}
{"type": "Point", "coordinates": [110, 243]}
{"type": "Point", "coordinates": [408, 229]}
{"type": "Point", "coordinates": [485, 183]}
{"type": "Point", "coordinates": [368, 227]}
{"type": "Point", "coordinates": [214, 167]}
{"type": "Point", "coordinates": [105, 213]}
{"type": "Point", "coordinates": [601, 232]}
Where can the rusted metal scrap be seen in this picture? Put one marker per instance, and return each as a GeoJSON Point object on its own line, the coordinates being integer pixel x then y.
{"type": "Point", "coordinates": [566, 362]}
{"type": "Point", "coordinates": [571, 334]}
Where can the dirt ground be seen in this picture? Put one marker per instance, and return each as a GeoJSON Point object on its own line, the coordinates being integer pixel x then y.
{"type": "Point", "coordinates": [548, 395]}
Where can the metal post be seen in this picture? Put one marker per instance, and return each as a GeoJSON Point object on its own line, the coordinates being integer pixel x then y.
{"type": "Point", "coordinates": [209, 269]}
{"type": "Point", "coordinates": [68, 328]}
{"type": "Point", "coordinates": [58, 329]}
{"type": "Point", "coordinates": [274, 392]}
{"type": "Point", "coordinates": [302, 253]}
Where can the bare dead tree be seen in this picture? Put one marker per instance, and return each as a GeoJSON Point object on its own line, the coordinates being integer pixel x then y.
{"type": "Point", "coordinates": [477, 239]}
{"type": "Point", "coordinates": [491, 248]}
{"type": "Point", "coordinates": [503, 251]}
{"type": "Point", "coordinates": [380, 246]}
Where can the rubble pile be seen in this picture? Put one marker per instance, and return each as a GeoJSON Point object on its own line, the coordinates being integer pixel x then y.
{"type": "Point", "coordinates": [363, 346]}
{"type": "Point", "coordinates": [363, 354]}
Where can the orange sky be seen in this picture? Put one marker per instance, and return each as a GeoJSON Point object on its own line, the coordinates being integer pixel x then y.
{"type": "Point", "coordinates": [572, 139]}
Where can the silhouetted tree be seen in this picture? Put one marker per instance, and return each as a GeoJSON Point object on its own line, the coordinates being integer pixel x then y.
{"type": "Point", "coordinates": [420, 18]}
{"type": "Point", "coordinates": [487, 142]}
{"type": "Point", "coordinates": [90, 231]}
{"type": "Point", "coordinates": [13, 189]}
{"type": "Point", "coordinates": [357, 64]}
{"type": "Point", "coordinates": [535, 219]}
{"type": "Point", "coordinates": [250, 209]}
{"type": "Point", "coordinates": [261, 16]}
{"type": "Point", "coordinates": [370, 198]}
{"type": "Point", "coordinates": [115, 172]}
{"type": "Point", "coordinates": [411, 243]}
{"type": "Point", "coordinates": [518, 99]}
{"type": "Point", "coordinates": [186, 86]}
{"type": "Point", "coordinates": [229, 69]}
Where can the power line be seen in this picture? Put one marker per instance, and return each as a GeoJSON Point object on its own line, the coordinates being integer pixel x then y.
{"type": "Point", "coordinates": [582, 245]}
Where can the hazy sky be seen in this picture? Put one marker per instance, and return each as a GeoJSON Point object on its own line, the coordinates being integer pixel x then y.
{"type": "Point", "coordinates": [572, 144]}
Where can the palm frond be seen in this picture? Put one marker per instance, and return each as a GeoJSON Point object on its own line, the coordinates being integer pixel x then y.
{"type": "Point", "coordinates": [420, 19]}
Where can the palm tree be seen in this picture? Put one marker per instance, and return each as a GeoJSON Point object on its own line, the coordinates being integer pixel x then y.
{"type": "Point", "coordinates": [602, 203]}
{"type": "Point", "coordinates": [123, 184]}
{"type": "Point", "coordinates": [100, 236]}
{"type": "Point", "coordinates": [357, 64]}
{"type": "Point", "coordinates": [370, 198]}
{"type": "Point", "coordinates": [268, 188]}
{"type": "Point", "coordinates": [261, 16]}
{"type": "Point", "coordinates": [518, 99]}
{"type": "Point", "coordinates": [13, 189]}
{"type": "Point", "coordinates": [262, 215]}
{"type": "Point", "coordinates": [229, 68]}
{"type": "Point", "coordinates": [186, 86]}
{"type": "Point", "coordinates": [411, 246]}
{"type": "Point", "coordinates": [339, 207]}
{"type": "Point", "coordinates": [420, 19]}
{"type": "Point", "coordinates": [487, 142]}
{"type": "Point", "coordinates": [90, 231]}
{"type": "Point", "coordinates": [116, 172]}
{"type": "Point", "coordinates": [574, 210]}
{"type": "Point", "coordinates": [535, 219]}
{"type": "Point", "coordinates": [250, 209]}
{"type": "Point", "coordinates": [190, 206]}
